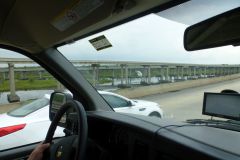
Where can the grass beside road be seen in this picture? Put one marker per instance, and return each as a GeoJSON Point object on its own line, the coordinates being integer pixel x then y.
{"type": "Point", "coordinates": [33, 84]}
{"type": "Point", "coordinates": [30, 84]}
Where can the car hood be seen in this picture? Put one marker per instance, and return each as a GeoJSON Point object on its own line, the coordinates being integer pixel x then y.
{"type": "Point", "coordinates": [6, 120]}
{"type": "Point", "coordinates": [143, 102]}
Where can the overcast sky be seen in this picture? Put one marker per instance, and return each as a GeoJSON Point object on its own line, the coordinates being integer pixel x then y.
{"type": "Point", "coordinates": [158, 38]}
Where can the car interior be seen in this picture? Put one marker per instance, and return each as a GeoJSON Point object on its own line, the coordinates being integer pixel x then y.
{"type": "Point", "coordinates": [93, 130]}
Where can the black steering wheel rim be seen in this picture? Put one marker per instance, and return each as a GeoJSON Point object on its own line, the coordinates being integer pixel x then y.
{"type": "Point", "coordinates": [82, 128]}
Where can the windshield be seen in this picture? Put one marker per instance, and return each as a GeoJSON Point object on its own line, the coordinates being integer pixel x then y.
{"type": "Point", "coordinates": [145, 59]}
{"type": "Point", "coordinates": [30, 107]}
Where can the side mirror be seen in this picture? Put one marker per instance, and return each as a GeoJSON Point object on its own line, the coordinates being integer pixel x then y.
{"type": "Point", "coordinates": [57, 100]}
{"type": "Point", "coordinates": [130, 103]}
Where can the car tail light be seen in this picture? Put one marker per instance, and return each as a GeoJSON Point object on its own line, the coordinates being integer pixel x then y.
{"type": "Point", "coordinates": [10, 129]}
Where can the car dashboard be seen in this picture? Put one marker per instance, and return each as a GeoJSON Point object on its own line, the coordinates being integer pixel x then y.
{"type": "Point", "coordinates": [110, 137]}
{"type": "Point", "coordinates": [118, 136]}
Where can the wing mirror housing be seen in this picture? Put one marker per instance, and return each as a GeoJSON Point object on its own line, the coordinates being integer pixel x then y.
{"type": "Point", "coordinates": [57, 100]}
{"type": "Point", "coordinates": [131, 103]}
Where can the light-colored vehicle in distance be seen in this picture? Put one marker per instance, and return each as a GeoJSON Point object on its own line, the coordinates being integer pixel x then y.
{"type": "Point", "coordinates": [122, 104]}
{"type": "Point", "coordinates": [18, 127]}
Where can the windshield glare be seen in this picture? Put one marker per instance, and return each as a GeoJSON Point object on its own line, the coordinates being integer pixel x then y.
{"type": "Point", "coordinates": [147, 55]}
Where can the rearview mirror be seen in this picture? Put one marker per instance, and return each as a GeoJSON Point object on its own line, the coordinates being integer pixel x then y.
{"type": "Point", "coordinates": [57, 100]}
{"type": "Point", "coordinates": [218, 31]}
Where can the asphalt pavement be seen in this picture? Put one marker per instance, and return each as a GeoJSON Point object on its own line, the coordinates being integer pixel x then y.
{"type": "Point", "coordinates": [187, 104]}
{"type": "Point", "coordinates": [180, 105]}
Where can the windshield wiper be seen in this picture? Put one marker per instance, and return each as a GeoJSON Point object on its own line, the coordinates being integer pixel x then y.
{"type": "Point", "coordinates": [223, 124]}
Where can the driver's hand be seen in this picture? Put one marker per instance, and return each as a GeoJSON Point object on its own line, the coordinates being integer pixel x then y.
{"type": "Point", "coordinates": [37, 153]}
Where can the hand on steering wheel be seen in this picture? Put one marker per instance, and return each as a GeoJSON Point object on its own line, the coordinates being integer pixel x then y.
{"type": "Point", "coordinates": [37, 153]}
{"type": "Point", "coordinates": [70, 145]}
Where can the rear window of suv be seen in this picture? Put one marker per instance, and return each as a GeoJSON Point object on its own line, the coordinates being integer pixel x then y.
{"type": "Point", "coordinates": [29, 108]}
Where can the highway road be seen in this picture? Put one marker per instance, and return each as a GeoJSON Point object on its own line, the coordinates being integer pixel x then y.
{"type": "Point", "coordinates": [178, 105]}
{"type": "Point", "coordinates": [187, 103]}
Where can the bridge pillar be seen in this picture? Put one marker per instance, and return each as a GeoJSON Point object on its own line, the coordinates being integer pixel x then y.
{"type": "Point", "coordinates": [189, 72]}
{"type": "Point", "coordinates": [126, 74]}
{"type": "Point", "coordinates": [230, 70]}
{"type": "Point", "coordinates": [95, 74]}
{"type": "Point", "coordinates": [194, 72]}
{"type": "Point", "coordinates": [223, 71]}
{"type": "Point", "coordinates": [12, 97]}
{"type": "Point", "coordinates": [113, 75]}
{"type": "Point", "coordinates": [122, 74]}
{"type": "Point", "coordinates": [162, 73]}
{"type": "Point", "coordinates": [179, 72]}
{"type": "Point", "coordinates": [216, 71]}
{"type": "Point", "coordinates": [182, 72]}
{"type": "Point", "coordinates": [149, 74]}
{"type": "Point", "coordinates": [176, 73]}
{"type": "Point", "coordinates": [205, 72]}
{"type": "Point", "coordinates": [40, 74]}
{"type": "Point", "coordinates": [210, 71]}
{"type": "Point", "coordinates": [4, 76]}
{"type": "Point", "coordinates": [167, 73]}
{"type": "Point", "coordinates": [236, 69]}
{"type": "Point", "coordinates": [129, 76]}
{"type": "Point", "coordinates": [200, 72]}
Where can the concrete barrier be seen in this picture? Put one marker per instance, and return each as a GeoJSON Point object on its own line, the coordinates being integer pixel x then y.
{"type": "Point", "coordinates": [163, 88]}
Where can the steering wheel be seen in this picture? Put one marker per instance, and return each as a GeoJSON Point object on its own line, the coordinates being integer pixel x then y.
{"type": "Point", "coordinates": [70, 145]}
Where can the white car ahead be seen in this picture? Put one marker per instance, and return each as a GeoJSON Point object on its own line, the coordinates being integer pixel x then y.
{"type": "Point", "coordinates": [125, 105]}
{"type": "Point", "coordinates": [18, 127]}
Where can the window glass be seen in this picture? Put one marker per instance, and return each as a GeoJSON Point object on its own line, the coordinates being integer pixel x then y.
{"type": "Point", "coordinates": [115, 101]}
{"type": "Point", "coordinates": [145, 59]}
{"type": "Point", "coordinates": [29, 108]}
{"type": "Point", "coordinates": [25, 88]}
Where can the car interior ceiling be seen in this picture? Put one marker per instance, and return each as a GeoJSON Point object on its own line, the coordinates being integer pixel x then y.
{"type": "Point", "coordinates": [26, 26]}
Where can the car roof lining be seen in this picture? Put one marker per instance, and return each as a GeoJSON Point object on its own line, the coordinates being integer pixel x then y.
{"type": "Point", "coordinates": [26, 24]}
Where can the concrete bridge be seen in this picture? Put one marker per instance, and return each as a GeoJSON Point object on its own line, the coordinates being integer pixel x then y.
{"type": "Point", "coordinates": [166, 71]}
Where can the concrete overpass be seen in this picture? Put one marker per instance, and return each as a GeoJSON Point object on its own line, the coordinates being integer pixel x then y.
{"type": "Point", "coordinates": [166, 70]}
